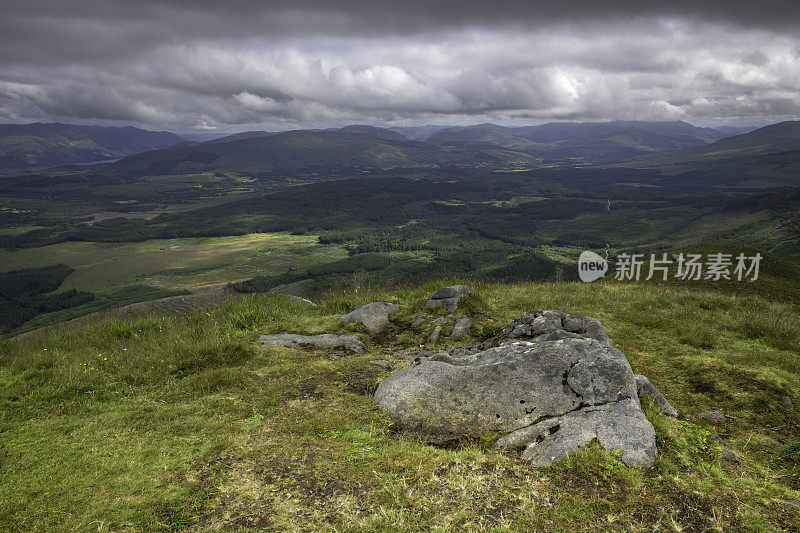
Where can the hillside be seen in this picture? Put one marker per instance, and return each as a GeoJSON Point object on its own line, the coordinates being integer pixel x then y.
{"type": "Point", "coordinates": [25, 146]}
{"type": "Point", "coordinates": [770, 154]}
{"type": "Point", "coordinates": [575, 142]}
{"type": "Point", "coordinates": [174, 424]}
{"type": "Point", "coordinates": [293, 153]}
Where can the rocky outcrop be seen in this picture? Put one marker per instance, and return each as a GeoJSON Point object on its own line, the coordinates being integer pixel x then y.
{"type": "Point", "coordinates": [374, 315]}
{"type": "Point", "coordinates": [346, 344]}
{"type": "Point", "coordinates": [647, 390]}
{"type": "Point", "coordinates": [447, 297]}
{"type": "Point", "coordinates": [460, 329]}
{"type": "Point", "coordinates": [560, 388]}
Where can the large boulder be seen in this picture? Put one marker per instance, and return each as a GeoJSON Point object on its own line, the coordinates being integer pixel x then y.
{"type": "Point", "coordinates": [374, 315]}
{"type": "Point", "coordinates": [447, 297]}
{"type": "Point", "coordinates": [550, 394]}
{"type": "Point", "coordinates": [348, 344]}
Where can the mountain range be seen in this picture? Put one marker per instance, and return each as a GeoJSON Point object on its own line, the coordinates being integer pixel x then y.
{"type": "Point", "coordinates": [37, 145]}
{"type": "Point", "coordinates": [670, 147]}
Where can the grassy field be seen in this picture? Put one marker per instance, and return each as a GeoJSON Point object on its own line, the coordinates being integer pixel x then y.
{"type": "Point", "coordinates": [173, 263]}
{"type": "Point", "coordinates": [171, 424]}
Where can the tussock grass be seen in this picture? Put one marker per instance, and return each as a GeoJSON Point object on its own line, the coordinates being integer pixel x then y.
{"type": "Point", "coordinates": [185, 423]}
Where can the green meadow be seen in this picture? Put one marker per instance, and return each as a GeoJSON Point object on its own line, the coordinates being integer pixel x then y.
{"type": "Point", "coordinates": [186, 423]}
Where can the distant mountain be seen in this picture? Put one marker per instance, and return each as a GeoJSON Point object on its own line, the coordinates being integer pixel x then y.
{"type": "Point", "coordinates": [770, 155]}
{"type": "Point", "coordinates": [25, 146]}
{"type": "Point", "coordinates": [418, 133]}
{"type": "Point", "coordinates": [577, 142]}
{"type": "Point", "coordinates": [292, 153]}
{"type": "Point", "coordinates": [730, 131]}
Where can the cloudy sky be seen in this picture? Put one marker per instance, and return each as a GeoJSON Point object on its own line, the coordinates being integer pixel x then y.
{"type": "Point", "coordinates": [234, 65]}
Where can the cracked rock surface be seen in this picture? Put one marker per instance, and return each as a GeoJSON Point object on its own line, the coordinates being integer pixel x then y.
{"type": "Point", "coordinates": [548, 395]}
{"type": "Point", "coordinates": [349, 344]}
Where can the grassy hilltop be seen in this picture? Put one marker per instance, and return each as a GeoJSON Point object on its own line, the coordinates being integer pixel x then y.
{"type": "Point", "coordinates": [170, 424]}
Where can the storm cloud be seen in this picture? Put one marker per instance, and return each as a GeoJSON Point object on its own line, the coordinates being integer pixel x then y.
{"type": "Point", "coordinates": [191, 65]}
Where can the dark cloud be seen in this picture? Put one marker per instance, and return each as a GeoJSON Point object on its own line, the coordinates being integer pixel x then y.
{"type": "Point", "coordinates": [199, 63]}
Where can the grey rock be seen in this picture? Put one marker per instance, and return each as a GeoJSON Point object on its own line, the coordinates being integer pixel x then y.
{"type": "Point", "coordinates": [335, 343]}
{"type": "Point", "coordinates": [787, 402]}
{"type": "Point", "coordinates": [374, 315]}
{"type": "Point", "coordinates": [729, 455]}
{"type": "Point", "coordinates": [461, 329]}
{"type": "Point", "coordinates": [713, 416]}
{"type": "Point", "coordinates": [548, 398]}
{"type": "Point", "coordinates": [769, 442]}
{"type": "Point", "coordinates": [716, 438]}
{"type": "Point", "coordinates": [646, 389]}
{"type": "Point", "coordinates": [417, 322]}
{"type": "Point", "coordinates": [447, 297]}
{"type": "Point", "coordinates": [547, 325]}
{"type": "Point", "coordinates": [441, 320]}
{"type": "Point", "coordinates": [793, 503]}
{"type": "Point", "coordinates": [382, 363]}
{"type": "Point", "coordinates": [434, 338]}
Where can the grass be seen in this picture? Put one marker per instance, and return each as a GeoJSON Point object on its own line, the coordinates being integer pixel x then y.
{"type": "Point", "coordinates": [170, 424]}
{"type": "Point", "coordinates": [173, 263]}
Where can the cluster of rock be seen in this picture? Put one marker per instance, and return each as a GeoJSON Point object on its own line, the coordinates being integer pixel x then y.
{"type": "Point", "coordinates": [549, 384]}
{"type": "Point", "coordinates": [554, 384]}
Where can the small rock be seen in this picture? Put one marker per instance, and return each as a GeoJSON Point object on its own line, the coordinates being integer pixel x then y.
{"type": "Point", "coordinates": [447, 297]}
{"type": "Point", "coordinates": [461, 329]}
{"type": "Point", "coordinates": [793, 503]}
{"type": "Point", "coordinates": [716, 438]}
{"type": "Point", "coordinates": [729, 455]}
{"type": "Point", "coordinates": [301, 300]}
{"type": "Point", "coordinates": [714, 415]}
{"type": "Point", "coordinates": [787, 402]}
{"type": "Point", "coordinates": [373, 315]}
{"type": "Point", "coordinates": [769, 442]}
{"type": "Point", "coordinates": [327, 341]}
{"type": "Point", "coordinates": [435, 335]}
{"type": "Point", "coordinates": [417, 322]}
{"type": "Point", "coordinates": [441, 320]}
{"type": "Point", "coordinates": [645, 388]}
{"type": "Point", "coordinates": [383, 363]}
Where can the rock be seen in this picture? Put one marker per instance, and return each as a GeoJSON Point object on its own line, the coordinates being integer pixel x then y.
{"type": "Point", "coordinates": [382, 363]}
{"type": "Point", "coordinates": [646, 389]}
{"type": "Point", "coordinates": [441, 320]}
{"type": "Point", "coordinates": [769, 442]}
{"type": "Point", "coordinates": [546, 325]}
{"type": "Point", "coordinates": [447, 297]}
{"type": "Point", "coordinates": [793, 503]}
{"type": "Point", "coordinates": [729, 455]}
{"type": "Point", "coordinates": [549, 397]}
{"type": "Point", "coordinates": [417, 322]}
{"type": "Point", "coordinates": [301, 300]}
{"type": "Point", "coordinates": [334, 343]}
{"type": "Point", "coordinates": [716, 438]}
{"type": "Point", "coordinates": [434, 338]}
{"type": "Point", "coordinates": [714, 416]}
{"type": "Point", "coordinates": [374, 315]}
{"type": "Point", "coordinates": [787, 402]}
{"type": "Point", "coordinates": [461, 329]}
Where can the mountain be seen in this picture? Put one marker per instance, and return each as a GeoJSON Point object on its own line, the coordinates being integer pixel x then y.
{"type": "Point", "coordinates": [768, 156]}
{"type": "Point", "coordinates": [350, 149]}
{"type": "Point", "coordinates": [577, 142]}
{"type": "Point", "coordinates": [730, 131]}
{"type": "Point", "coordinates": [25, 146]}
{"type": "Point", "coordinates": [418, 133]}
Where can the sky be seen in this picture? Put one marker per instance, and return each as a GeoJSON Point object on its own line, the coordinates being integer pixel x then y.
{"type": "Point", "coordinates": [236, 65]}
